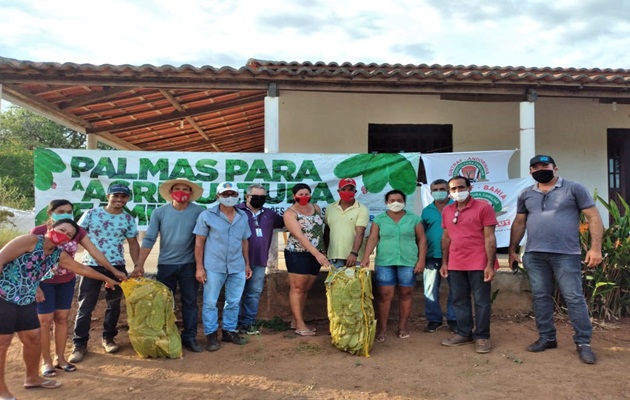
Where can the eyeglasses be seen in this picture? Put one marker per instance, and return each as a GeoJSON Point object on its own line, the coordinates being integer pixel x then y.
{"type": "Point", "coordinates": [456, 217]}
{"type": "Point", "coordinates": [229, 194]}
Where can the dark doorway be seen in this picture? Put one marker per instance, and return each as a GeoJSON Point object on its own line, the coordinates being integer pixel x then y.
{"type": "Point", "coordinates": [424, 138]}
{"type": "Point", "coordinates": [618, 165]}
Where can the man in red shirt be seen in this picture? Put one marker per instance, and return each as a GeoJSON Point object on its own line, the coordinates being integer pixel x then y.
{"type": "Point", "coordinates": [469, 256]}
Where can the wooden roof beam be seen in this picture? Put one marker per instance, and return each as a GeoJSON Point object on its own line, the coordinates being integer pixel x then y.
{"type": "Point", "coordinates": [92, 98]}
{"type": "Point", "coordinates": [179, 115]}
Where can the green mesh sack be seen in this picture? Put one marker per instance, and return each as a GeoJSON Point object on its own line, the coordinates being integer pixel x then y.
{"type": "Point", "coordinates": [152, 329]}
{"type": "Point", "coordinates": [350, 309]}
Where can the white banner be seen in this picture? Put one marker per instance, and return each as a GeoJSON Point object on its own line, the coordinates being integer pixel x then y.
{"type": "Point", "coordinates": [502, 197]}
{"type": "Point", "coordinates": [478, 166]}
{"type": "Point", "coordinates": [83, 176]}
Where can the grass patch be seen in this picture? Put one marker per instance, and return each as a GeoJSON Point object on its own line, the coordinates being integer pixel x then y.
{"type": "Point", "coordinates": [6, 235]}
{"type": "Point", "coordinates": [276, 324]}
{"type": "Point", "coordinates": [310, 348]}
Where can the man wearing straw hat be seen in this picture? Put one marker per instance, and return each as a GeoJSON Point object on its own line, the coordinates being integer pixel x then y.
{"type": "Point", "coordinates": [174, 222]}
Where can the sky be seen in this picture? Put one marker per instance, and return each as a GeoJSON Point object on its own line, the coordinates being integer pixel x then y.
{"type": "Point", "coordinates": [530, 33]}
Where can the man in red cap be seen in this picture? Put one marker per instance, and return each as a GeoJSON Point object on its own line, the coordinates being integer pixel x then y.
{"type": "Point", "coordinates": [346, 220]}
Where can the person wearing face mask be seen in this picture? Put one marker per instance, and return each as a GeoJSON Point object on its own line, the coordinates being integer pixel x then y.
{"type": "Point", "coordinates": [262, 222]}
{"type": "Point", "coordinates": [401, 253]}
{"type": "Point", "coordinates": [54, 295]}
{"type": "Point", "coordinates": [550, 212]}
{"type": "Point", "coordinates": [346, 220]}
{"type": "Point", "coordinates": [432, 223]}
{"type": "Point", "coordinates": [304, 253]}
{"type": "Point", "coordinates": [469, 259]}
{"type": "Point", "coordinates": [174, 223]}
{"type": "Point", "coordinates": [222, 260]}
{"type": "Point", "coordinates": [24, 262]}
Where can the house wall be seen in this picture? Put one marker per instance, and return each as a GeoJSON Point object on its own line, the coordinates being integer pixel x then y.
{"type": "Point", "coordinates": [573, 131]}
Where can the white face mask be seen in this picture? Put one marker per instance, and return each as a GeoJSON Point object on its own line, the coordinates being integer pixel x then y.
{"type": "Point", "coordinates": [460, 196]}
{"type": "Point", "coordinates": [228, 201]}
{"type": "Point", "coordinates": [395, 206]}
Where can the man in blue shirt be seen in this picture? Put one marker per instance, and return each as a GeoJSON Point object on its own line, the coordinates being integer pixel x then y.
{"type": "Point", "coordinates": [432, 223]}
{"type": "Point", "coordinates": [174, 222]}
{"type": "Point", "coordinates": [262, 222]}
{"type": "Point", "coordinates": [222, 258]}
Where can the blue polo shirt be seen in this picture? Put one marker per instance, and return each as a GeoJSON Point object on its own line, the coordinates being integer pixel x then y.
{"type": "Point", "coordinates": [266, 220]}
{"type": "Point", "coordinates": [223, 251]}
{"type": "Point", "coordinates": [432, 224]}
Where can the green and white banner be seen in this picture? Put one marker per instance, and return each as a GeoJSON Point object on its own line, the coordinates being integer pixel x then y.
{"type": "Point", "coordinates": [83, 176]}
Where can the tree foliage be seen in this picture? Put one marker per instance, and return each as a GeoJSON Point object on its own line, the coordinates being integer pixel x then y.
{"type": "Point", "coordinates": [22, 131]}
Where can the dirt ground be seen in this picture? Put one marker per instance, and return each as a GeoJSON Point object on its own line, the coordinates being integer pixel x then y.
{"type": "Point", "coordinates": [281, 365]}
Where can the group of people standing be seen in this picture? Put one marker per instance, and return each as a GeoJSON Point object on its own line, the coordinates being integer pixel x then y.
{"type": "Point", "coordinates": [227, 246]}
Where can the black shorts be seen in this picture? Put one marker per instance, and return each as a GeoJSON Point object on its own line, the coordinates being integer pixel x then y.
{"type": "Point", "coordinates": [301, 262]}
{"type": "Point", "coordinates": [15, 318]}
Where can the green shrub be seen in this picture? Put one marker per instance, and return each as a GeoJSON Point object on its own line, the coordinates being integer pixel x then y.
{"type": "Point", "coordinates": [6, 235]}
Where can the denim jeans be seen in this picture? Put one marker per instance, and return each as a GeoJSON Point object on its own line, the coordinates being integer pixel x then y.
{"type": "Point", "coordinates": [251, 296]}
{"type": "Point", "coordinates": [432, 279]}
{"type": "Point", "coordinates": [183, 275]}
{"type": "Point", "coordinates": [463, 284]}
{"type": "Point", "coordinates": [567, 270]}
{"type": "Point", "coordinates": [89, 290]}
{"type": "Point", "coordinates": [234, 285]}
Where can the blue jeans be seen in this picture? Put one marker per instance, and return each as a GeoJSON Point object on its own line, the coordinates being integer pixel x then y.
{"type": "Point", "coordinates": [89, 290]}
{"type": "Point", "coordinates": [432, 279]}
{"type": "Point", "coordinates": [567, 270]}
{"type": "Point", "coordinates": [172, 275]}
{"type": "Point", "coordinates": [251, 296]}
{"type": "Point", "coordinates": [463, 284]}
{"type": "Point", "coordinates": [234, 285]}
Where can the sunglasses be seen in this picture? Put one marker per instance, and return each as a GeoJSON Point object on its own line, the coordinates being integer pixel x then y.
{"type": "Point", "coordinates": [229, 194]}
{"type": "Point", "coordinates": [456, 217]}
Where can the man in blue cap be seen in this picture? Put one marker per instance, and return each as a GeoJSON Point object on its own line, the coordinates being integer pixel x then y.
{"type": "Point", "coordinates": [550, 211]}
{"type": "Point", "coordinates": [108, 227]}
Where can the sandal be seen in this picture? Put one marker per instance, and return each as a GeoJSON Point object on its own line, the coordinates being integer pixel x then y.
{"type": "Point", "coordinates": [293, 327]}
{"type": "Point", "coordinates": [66, 368]}
{"type": "Point", "coordinates": [380, 338]}
{"type": "Point", "coordinates": [49, 373]}
{"type": "Point", "coordinates": [403, 334]}
{"type": "Point", "coordinates": [44, 385]}
{"type": "Point", "coordinates": [305, 332]}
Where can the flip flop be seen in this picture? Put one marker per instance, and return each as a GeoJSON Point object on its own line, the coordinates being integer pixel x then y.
{"type": "Point", "coordinates": [305, 332]}
{"type": "Point", "coordinates": [403, 334]}
{"type": "Point", "coordinates": [310, 329]}
{"type": "Point", "coordinates": [66, 368]}
{"type": "Point", "coordinates": [380, 338]}
{"type": "Point", "coordinates": [49, 373]}
{"type": "Point", "coordinates": [47, 384]}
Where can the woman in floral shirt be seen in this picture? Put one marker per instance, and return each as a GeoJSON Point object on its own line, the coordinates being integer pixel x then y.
{"type": "Point", "coordinates": [304, 253]}
{"type": "Point", "coordinates": [24, 262]}
{"type": "Point", "coordinates": [54, 295]}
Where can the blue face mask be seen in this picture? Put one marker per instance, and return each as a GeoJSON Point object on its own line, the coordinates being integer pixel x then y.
{"type": "Point", "coordinates": [438, 195]}
{"type": "Point", "coordinates": [57, 217]}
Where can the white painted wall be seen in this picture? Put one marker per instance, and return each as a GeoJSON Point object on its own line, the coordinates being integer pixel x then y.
{"type": "Point", "coordinates": [573, 131]}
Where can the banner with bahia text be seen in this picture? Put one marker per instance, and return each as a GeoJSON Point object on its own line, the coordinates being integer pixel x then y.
{"type": "Point", "coordinates": [83, 176]}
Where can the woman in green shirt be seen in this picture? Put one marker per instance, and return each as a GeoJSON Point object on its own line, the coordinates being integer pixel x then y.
{"type": "Point", "coordinates": [401, 248]}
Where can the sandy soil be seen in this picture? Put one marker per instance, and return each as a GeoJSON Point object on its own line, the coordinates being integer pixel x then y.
{"type": "Point", "coordinates": [281, 365]}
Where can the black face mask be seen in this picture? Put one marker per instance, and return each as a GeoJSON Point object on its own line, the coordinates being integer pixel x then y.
{"type": "Point", "coordinates": [257, 201]}
{"type": "Point", "coordinates": [543, 175]}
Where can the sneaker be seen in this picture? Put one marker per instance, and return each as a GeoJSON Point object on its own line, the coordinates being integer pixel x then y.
{"type": "Point", "coordinates": [586, 353]}
{"type": "Point", "coordinates": [433, 326]}
{"type": "Point", "coordinates": [213, 342]}
{"type": "Point", "coordinates": [542, 344]}
{"type": "Point", "coordinates": [110, 346]}
{"type": "Point", "coordinates": [482, 346]}
{"type": "Point", "coordinates": [248, 330]}
{"type": "Point", "coordinates": [457, 340]}
{"type": "Point", "coordinates": [452, 325]}
{"type": "Point", "coordinates": [233, 337]}
{"type": "Point", "coordinates": [192, 345]}
{"type": "Point", "coordinates": [78, 353]}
